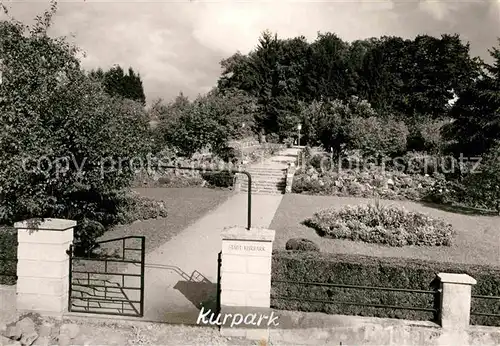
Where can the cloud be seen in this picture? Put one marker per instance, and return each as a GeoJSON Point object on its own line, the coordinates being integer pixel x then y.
{"type": "Point", "coordinates": [177, 45]}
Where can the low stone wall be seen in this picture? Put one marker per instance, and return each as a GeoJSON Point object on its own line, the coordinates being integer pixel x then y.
{"type": "Point", "coordinates": [321, 329]}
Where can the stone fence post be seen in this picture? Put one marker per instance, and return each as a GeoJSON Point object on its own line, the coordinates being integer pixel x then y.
{"type": "Point", "coordinates": [455, 300]}
{"type": "Point", "coordinates": [246, 276]}
{"type": "Point", "coordinates": [43, 266]}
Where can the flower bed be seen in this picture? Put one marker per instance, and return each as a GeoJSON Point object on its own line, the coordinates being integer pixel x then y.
{"type": "Point", "coordinates": [363, 183]}
{"type": "Point", "coordinates": [393, 226]}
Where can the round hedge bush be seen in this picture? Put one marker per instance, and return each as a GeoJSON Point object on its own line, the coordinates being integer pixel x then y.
{"type": "Point", "coordinates": [301, 244]}
{"type": "Point", "coordinates": [392, 226]}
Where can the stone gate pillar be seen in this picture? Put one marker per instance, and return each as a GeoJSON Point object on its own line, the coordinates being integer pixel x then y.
{"type": "Point", "coordinates": [246, 277]}
{"type": "Point", "coordinates": [456, 300]}
{"type": "Point", "coordinates": [43, 266]}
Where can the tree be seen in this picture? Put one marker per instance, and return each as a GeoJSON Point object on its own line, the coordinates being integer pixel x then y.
{"type": "Point", "coordinates": [118, 83]}
{"type": "Point", "coordinates": [209, 121]}
{"type": "Point", "coordinates": [66, 147]}
{"type": "Point", "coordinates": [476, 114]}
{"type": "Point", "coordinates": [196, 129]}
{"type": "Point", "coordinates": [328, 74]}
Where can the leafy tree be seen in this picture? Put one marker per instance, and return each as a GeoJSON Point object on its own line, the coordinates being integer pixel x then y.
{"type": "Point", "coordinates": [62, 136]}
{"type": "Point", "coordinates": [328, 73]}
{"type": "Point", "coordinates": [376, 137]}
{"type": "Point", "coordinates": [209, 121]}
{"type": "Point", "coordinates": [331, 120]}
{"type": "Point", "coordinates": [436, 68]}
{"type": "Point", "coordinates": [235, 110]}
{"type": "Point", "coordinates": [476, 114]}
{"type": "Point", "coordinates": [196, 129]}
{"type": "Point", "coordinates": [118, 83]}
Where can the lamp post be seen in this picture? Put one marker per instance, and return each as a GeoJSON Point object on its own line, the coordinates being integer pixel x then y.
{"type": "Point", "coordinates": [241, 145]}
{"type": "Point", "coordinates": [299, 127]}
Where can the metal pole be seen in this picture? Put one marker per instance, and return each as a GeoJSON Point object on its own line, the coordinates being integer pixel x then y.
{"type": "Point", "coordinates": [70, 254]}
{"type": "Point", "coordinates": [143, 264]}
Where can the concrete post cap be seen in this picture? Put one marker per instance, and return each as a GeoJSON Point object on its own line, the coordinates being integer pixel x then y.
{"type": "Point", "coordinates": [463, 279]}
{"type": "Point", "coordinates": [46, 224]}
{"type": "Point", "coordinates": [241, 233]}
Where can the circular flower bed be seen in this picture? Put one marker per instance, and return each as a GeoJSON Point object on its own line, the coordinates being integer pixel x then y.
{"type": "Point", "coordinates": [392, 226]}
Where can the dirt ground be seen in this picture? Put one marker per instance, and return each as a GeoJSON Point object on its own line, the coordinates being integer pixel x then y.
{"type": "Point", "coordinates": [92, 331]}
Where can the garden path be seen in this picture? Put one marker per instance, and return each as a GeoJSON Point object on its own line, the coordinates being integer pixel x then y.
{"type": "Point", "coordinates": [181, 274]}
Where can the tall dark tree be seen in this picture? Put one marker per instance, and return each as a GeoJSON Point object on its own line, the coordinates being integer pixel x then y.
{"type": "Point", "coordinates": [476, 113]}
{"type": "Point", "coordinates": [118, 83]}
{"type": "Point", "coordinates": [328, 74]}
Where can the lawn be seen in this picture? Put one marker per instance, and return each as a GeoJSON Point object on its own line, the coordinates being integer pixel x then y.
{"type": "Point", "coordinates": [477, 240]}
{"type": "Point", "coordinates": [184, 207]}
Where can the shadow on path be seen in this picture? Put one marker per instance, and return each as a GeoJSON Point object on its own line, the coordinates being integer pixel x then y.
{"type": "Point", "coordinates": [457, 209]}
{"type": "Point", "coordinates": [195, 287]}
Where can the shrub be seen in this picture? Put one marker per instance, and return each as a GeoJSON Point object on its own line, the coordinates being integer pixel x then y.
{"type": "Point", "coordinates": [301, 244]}
{"type": "Point", "coordinates": [393, 226]}
{"type": "Point", "coordinates": [366, 182]}
{"type": "Point", "coordinates": [483, 185]}
{"type": "Point", "coordinates": [272, 138]}
{"type": "Point", "coordinates": [52, 112]}
{"type": "Point", "coordinates": [360, 270]}
{"type": "Point", "coordinates": [321, 163]}
{"type": "Point", "coordinates": [376, 137]}
{"type": "Point", "coordinates": [8, 252]}
{"type": "Point", "coordinates": [426, 135]}
{"type": "Point", "coordinates": [288, 142]}
{"type": "Point", "coordinates": [141, 208]}
{"type": "Point", "coordinates": [222, 179]}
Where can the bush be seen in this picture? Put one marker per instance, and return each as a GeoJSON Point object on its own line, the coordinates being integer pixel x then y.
{"type": "Point", "coordinates": [301, 244]}
{"type": "Point", "coordinates": [483, 185]}
{"type": "Point", "coordinates": [288, 142]}
{"type": "Point", "coordinates": [368, 182]}
{"type": "Point", "coordinates": [376, 137]}
{"type": "Point", "coordinates": [8, 254]}
{"type": "Point", "coordinates": [393, 226]}
{"type": "Point", "coordinates": [52, 112]}
{"type": "Point", "coordinates": [426, 136]}
{"type": "Point", "coordinates": [321, 163]}
{"type": "Point", "coordinates": [141, 208]}
{"type": "Point", "coordinates": [272, 138]}
{"type": "Point", "coordinates": [219, 179]}
{"type": "Point", "coordinates": [375, 272]}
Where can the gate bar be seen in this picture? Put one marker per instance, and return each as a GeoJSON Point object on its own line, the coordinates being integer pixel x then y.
{"type": "Point", "coordinates": [70, 254]}
{"type": "Point", "coordinates": [143, 263]}
{"type": "Point", "coordinates": [249, 217]}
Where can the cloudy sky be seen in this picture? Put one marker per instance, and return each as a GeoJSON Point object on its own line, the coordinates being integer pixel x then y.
{"type": "Point", "coordinates": [177, 45]}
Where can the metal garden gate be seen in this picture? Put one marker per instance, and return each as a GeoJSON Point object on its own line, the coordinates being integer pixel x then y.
{"type": "Point", "coordinates": [109, 283]}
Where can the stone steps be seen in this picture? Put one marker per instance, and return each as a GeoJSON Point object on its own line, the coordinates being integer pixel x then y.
{"type": "Point", "coordinates": [265, 180]}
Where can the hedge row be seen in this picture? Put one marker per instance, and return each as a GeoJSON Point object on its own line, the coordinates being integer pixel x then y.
{"type": "Point", "coordinates": [8, 251]}
{"type": "Point", "coordinates": [184, 178]}
{"type": "Point", "coordinates": [376, 272]}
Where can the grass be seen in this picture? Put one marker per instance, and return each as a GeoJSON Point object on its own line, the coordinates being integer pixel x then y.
{"type": "Point", "coordinates": [476, 240]}
{"type": "Point", "coordinates": [184, 206]}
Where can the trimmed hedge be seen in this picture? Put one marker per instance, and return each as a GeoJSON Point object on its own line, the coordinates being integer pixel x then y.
{"type": "Point", "coordinates": [8, 251]}
{"type": "Point", "coordinates": [224, 179]}
{"type": "Point", "coordinates": [376, 272]}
